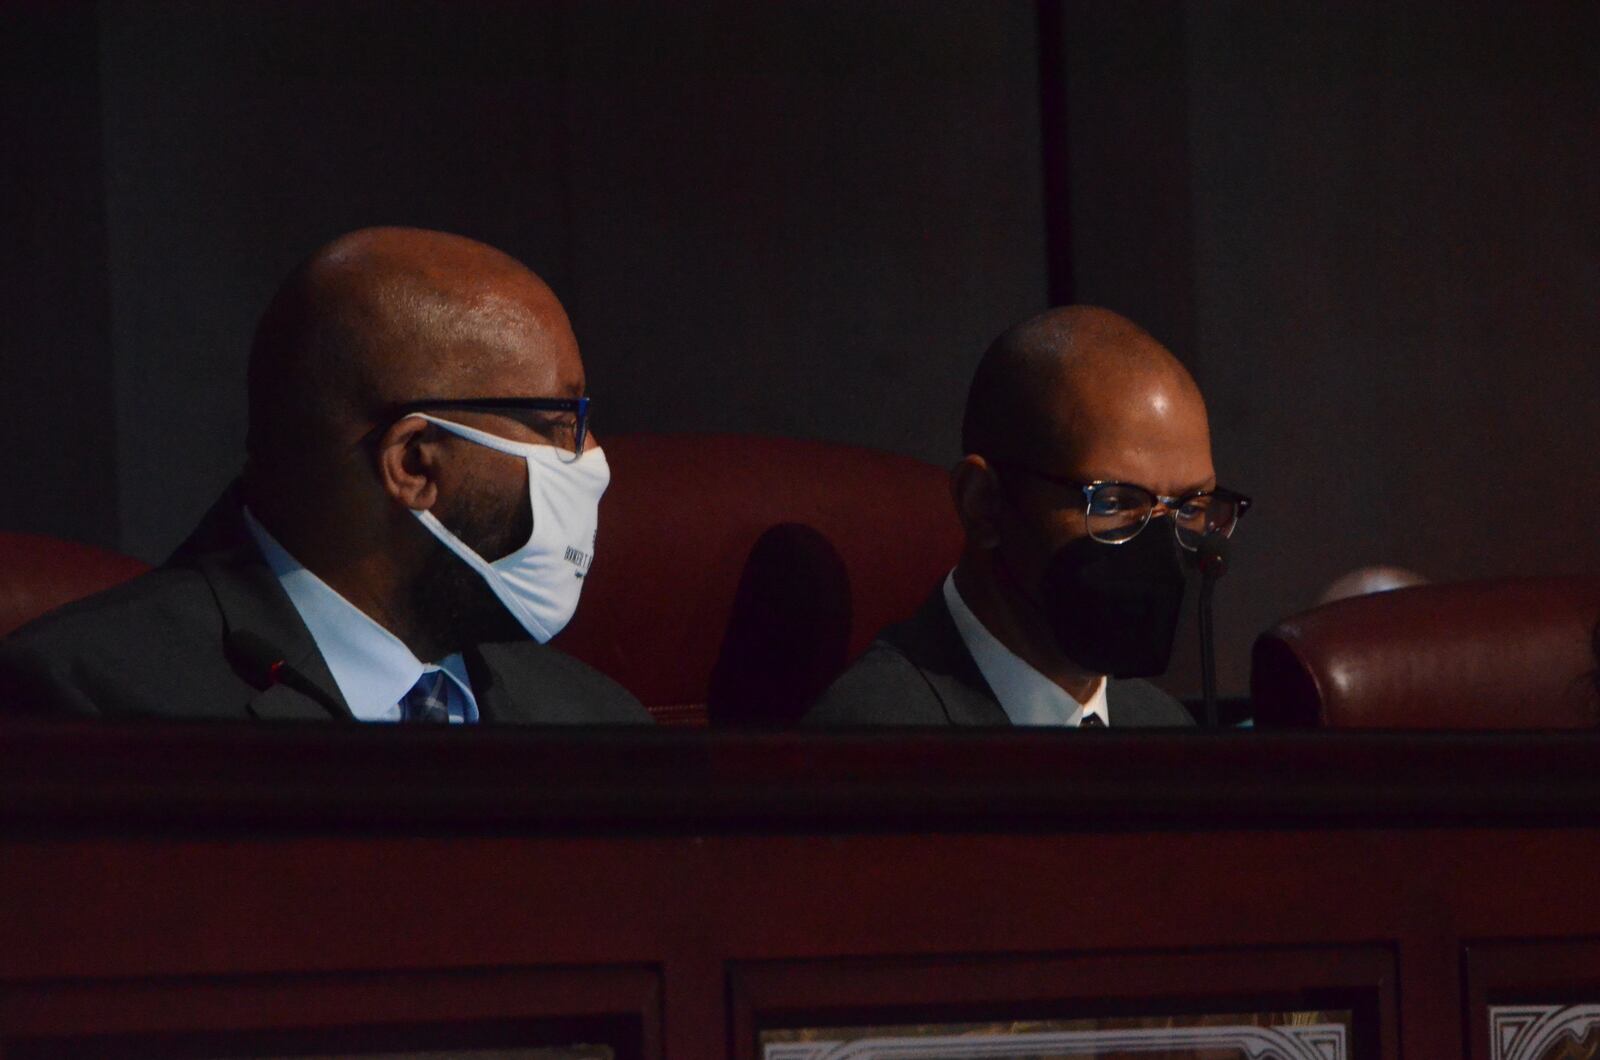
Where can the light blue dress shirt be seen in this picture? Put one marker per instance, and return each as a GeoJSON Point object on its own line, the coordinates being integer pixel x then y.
{"type": "Point", "coordinates": [372, 667]}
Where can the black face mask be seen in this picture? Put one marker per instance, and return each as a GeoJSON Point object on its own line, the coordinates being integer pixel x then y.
{"type": "Point", "coordinates": [1114, 608]}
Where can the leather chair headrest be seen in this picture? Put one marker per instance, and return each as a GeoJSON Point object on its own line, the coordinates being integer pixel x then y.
{"type": "Point", "coordinates": [39, 574]}
{"type": "Point", "coordinates": [741, 568]}
{"type": "Point", "coordinates": [1507, 653]}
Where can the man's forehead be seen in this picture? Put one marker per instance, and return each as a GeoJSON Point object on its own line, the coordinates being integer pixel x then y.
{"type": "Point", "coordinates": [1169, 462]}
{"type": "Point", "coordinates": [1160, 434]}
{"type": "Point", "coordinates": [520, 346]}
{"type": "Point", "coordinates": [530, 372]}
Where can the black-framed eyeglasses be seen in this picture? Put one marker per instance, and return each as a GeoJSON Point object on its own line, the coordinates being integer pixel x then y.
{"type": "Point", "coordinates": [562, 422]}
{"type": "Point", "coordinates": [1116, 511]}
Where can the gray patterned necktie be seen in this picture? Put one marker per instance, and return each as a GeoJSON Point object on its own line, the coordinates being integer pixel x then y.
{"type": "Point", "coordinates": [428, 700]}
{"type": "Point", "coordinates": [1091, 721]}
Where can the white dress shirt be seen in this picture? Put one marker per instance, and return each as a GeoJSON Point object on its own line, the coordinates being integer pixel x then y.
{"type": "Point", "coordinates": [1027, 696]}
{"type": "Point", "coordinates": [372, 667]}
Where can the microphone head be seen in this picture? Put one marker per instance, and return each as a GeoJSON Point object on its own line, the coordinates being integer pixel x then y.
{"type": "Point", "coordinates": [257, 660]}
{"type": "Point", "coordinates": [1212, 555]}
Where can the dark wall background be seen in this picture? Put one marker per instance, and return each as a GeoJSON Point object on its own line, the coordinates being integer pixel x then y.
{"type": "Point", "coordinates": [1373, 231]}
{"type": "Point", "coordinates": [1397, 282]}
{"type": "Point", "coordinates": [58, 402]}
{"type": "Point", "coordinates": [804, 220]}
{"type": "Point", "coordinates": [1370, 228]}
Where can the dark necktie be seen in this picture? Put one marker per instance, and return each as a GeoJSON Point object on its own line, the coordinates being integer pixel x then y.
{"type": "Point", "coordinates": [1091, 721]}
{"type": "Point", "coordinates": [428, 700]}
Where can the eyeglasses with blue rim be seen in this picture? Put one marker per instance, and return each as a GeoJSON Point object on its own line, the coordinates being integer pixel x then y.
{"type": "Point", "coordinates": [1117, 511]}
{"type": "Point", "coordinates": [561, 422]}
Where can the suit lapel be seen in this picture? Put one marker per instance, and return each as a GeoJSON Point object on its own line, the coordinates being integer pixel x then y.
{"type": "Point", "coordinates": [1116, 706]}
{"type": "Point", "coordinates": [282, 703]}
{"type": "Point", "coordinates": [250, 599]}
{"type": "Point", "coordinates": [1118, 714]}
{"type": "Point", "coordinates": [506, 683]}
{"type": "Point", "coordinates": [1139, 704]}
{"type": "Point", "coordinates": [934, 645]}
{"type": "Point", "coordinates": [495, 702]}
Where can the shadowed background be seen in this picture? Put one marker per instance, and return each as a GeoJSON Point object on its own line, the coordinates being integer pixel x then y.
{"type": "Point", "coordinates": [1370, 229]}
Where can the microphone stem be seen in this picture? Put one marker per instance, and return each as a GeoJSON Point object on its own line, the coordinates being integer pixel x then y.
{"type": "Point", "coordinates": [1208, 665]}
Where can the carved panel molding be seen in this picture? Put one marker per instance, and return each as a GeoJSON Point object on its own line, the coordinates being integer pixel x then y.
{"type": "Point", "coordinates": [1314, 1042]}
{"type": "Point", "coordinates": [1543, 1032]}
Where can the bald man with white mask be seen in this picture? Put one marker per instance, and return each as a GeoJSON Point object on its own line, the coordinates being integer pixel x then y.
{"type": "Point", "coordinates": [1086, 485]}
{"type": "Point", "coordinates": [414, 522]}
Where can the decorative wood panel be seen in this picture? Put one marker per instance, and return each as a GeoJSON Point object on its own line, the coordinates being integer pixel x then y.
{"type": "Point", "coordinates": [1544, 1032]}
{"type": "Point", "coordinates": [162, 883]}
{"type": "Point", "coordinates": [1169, 1038]}
{"type": "Point", "coordinates": [1292, 1004]}
{"type": "Point", "coordinates": [1534, 999]}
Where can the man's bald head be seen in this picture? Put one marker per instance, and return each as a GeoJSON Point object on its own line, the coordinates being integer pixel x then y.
{"type": "Point", "coordinates": [387, 315]}
{"type": "Point", "coordinates": [1074, 396]}
{"type": "Point", "coordinates": [1047, 386]}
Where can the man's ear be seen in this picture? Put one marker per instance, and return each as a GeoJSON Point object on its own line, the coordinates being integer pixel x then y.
{"type": "Point", "coordinates": [409, 455]}
{"type": "Point", "coordinates": [977, 496]}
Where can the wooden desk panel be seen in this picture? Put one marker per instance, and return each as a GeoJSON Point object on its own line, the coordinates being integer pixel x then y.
{"type": "Point", "coordinates": [692, 885]}
{"type": "Point", "coordinates": [209, 1016]}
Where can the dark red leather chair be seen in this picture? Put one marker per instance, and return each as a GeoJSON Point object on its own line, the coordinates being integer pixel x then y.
{"type": "Point", "coordinates": [1509, 653]}
{"type": "Point", "coordinates": [744, 572]}
{"type": "Point", "coordinates": [39, 574]}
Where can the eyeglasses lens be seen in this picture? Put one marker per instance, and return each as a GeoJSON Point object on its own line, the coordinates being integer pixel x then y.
{"type": "Point", "coordinates": [563, 430]}
{"type": "Point", "coordinates": [1117, 512]}
{"type": "Point", "coordinates": [1199, 516]}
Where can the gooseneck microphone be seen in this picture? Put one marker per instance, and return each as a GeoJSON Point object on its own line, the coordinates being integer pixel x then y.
{"type": "Point", "coordinates": [1212, 559]}
{"type": "Point", "coordinates": [263, 665]}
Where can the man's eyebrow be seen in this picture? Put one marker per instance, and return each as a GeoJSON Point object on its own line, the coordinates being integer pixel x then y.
{"type": "Point", "coordinates": [1205, 486]}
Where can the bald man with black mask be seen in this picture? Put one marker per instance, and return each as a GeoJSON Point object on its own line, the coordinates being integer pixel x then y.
{"type": "Point", "coordinates": [1087, 483]}
{"type": "Point", "coordinates": [416, 515]}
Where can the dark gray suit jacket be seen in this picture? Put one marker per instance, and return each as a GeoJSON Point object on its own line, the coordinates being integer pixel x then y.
{"type": "Point", "coordinates": [159, 646]}
{"type": "Point", "coordinates": [921, 673]}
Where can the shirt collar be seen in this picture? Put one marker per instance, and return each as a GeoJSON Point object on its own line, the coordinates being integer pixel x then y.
{"type": "Point", "coordinates": [372, 667]}
{"type": "Point", "coordinates": [1027, 696]}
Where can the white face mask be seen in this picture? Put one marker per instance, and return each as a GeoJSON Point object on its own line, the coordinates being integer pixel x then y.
{"type": "Point", "coordinates": [539, 583]}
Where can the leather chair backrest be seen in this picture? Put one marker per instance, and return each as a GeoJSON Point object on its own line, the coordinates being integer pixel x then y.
{"type": "Point", "coordinates": [747, 570]}
{"type": "Point", "coordinates": [39, 574]}
{"type": "Point", "coordinates": [1508, 653]}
